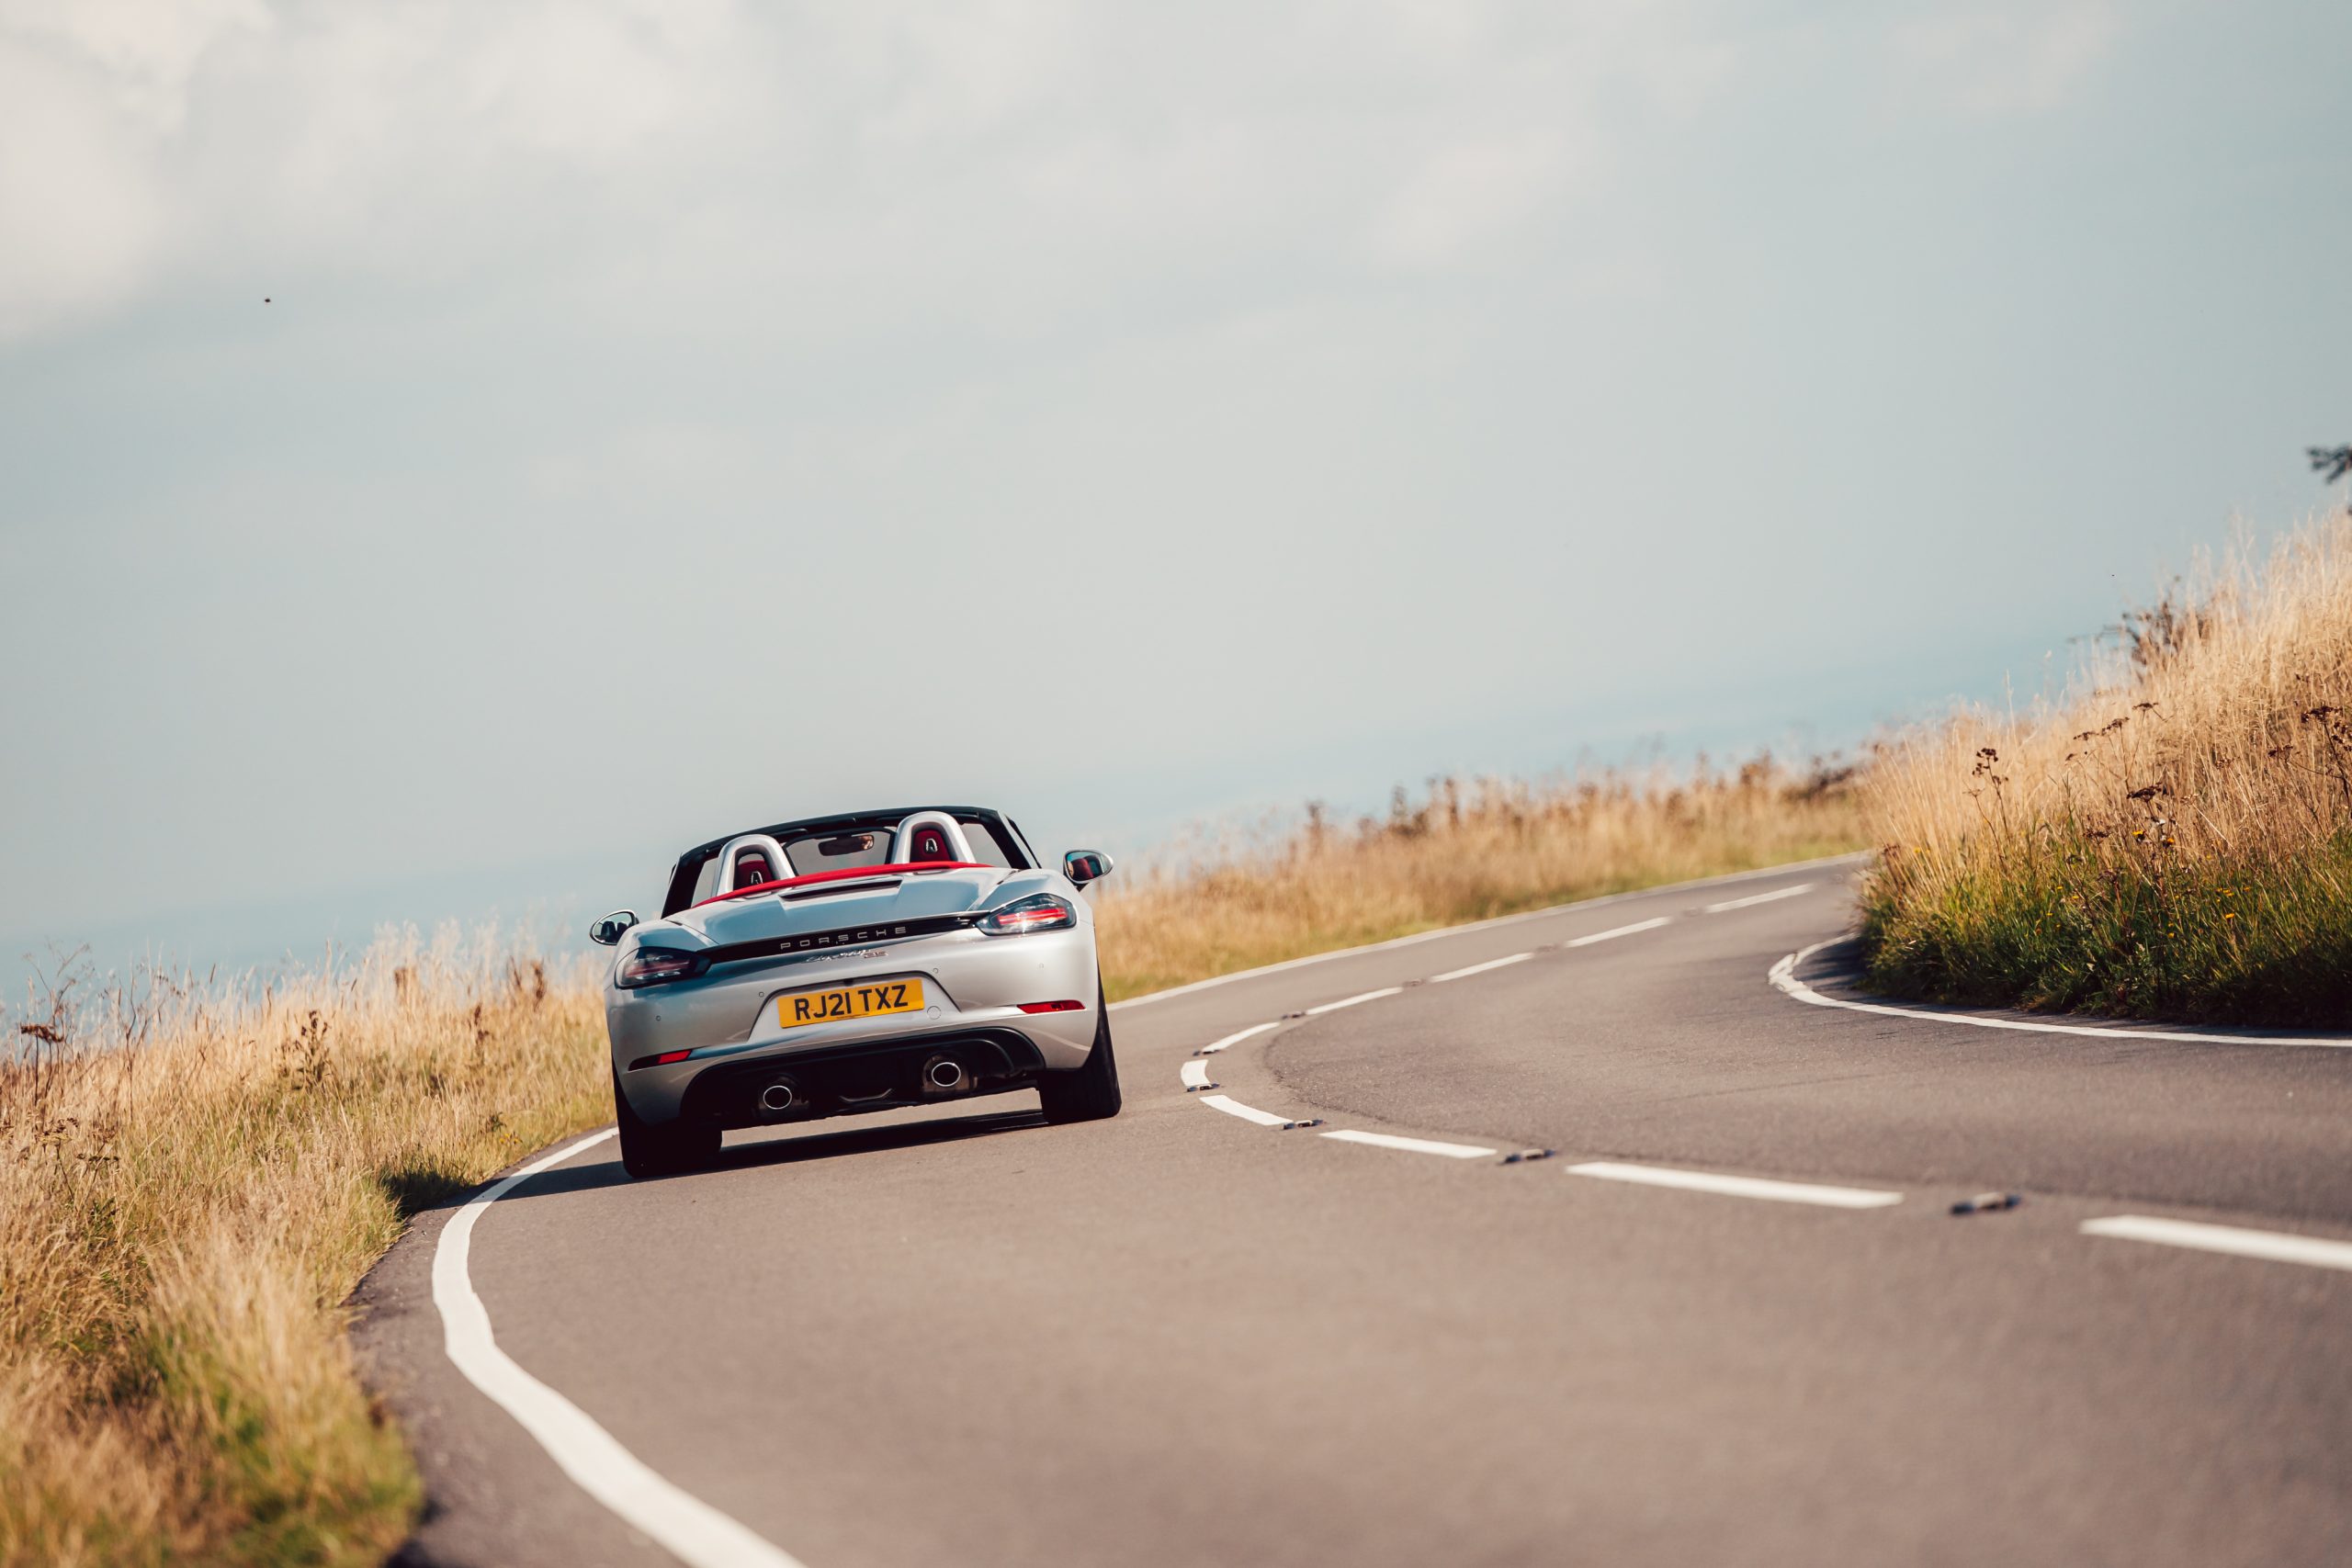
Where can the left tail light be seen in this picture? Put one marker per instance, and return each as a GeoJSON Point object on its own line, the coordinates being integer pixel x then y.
{"type": "Point", "coordinates": [658, 966]}
{"type": "Point", "coordinates": [1038, 912]}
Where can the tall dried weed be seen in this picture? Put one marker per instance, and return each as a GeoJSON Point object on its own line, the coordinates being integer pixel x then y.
{"type": "Point", "coordinates": [2171, 839]}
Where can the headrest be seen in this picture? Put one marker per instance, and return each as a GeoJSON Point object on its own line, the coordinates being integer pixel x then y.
{"type": "Point", "coordinates": [928, 836]}
{"type": "Point", "coordinates": [748, 861]}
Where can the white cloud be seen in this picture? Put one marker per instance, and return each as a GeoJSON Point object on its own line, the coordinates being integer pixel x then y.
{"type": "Point", "coordinates": [141, 53]}
{"type": "Point", "coordinates": [843, 165]}
{"type": "Point", "coordinates": [1470, 194]}
{"type": "Point", "coordinates": [2008, 57]}
{"type": "Point", "coordinates": [80, 212]}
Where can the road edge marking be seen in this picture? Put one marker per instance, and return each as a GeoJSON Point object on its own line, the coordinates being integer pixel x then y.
{"type": "Point", "coordinates": [2272, 1246]}
{"type": "Point", "coordinates": [1755, 898]}
{"type": "Point", "coordinates": [1464, 973]}
{"type": "Point", "coordinates": [1783, 976]}
{"type": "Point", "coordinates": [1233, 1107]}
{"type": "Point", "coordinates": [1351, 1001]}
{"type": "Point", "coordinates": [1413, 1145]}
{"type": "Point", "coordinates": [681, 1523]}
{"type": "Point", "coordinates": [1237, 1037]}
{"type": "Point", "coordinates": [1738, 1186]}
{"type": "Point", "coordinates": [1649, 925]}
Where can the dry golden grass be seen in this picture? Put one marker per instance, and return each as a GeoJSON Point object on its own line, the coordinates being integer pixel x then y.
{"type": "Point", "coordinates": [193, 1178]}
{"type": "Point", "coordinates": [191, 1183]}
{"type": "Point", "coordinates": [2172, 839]}
{"type": "Point", "coordinates": [1468, 852]}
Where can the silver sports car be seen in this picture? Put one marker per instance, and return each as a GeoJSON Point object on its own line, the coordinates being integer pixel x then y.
{"type": "Point", "coordinates": [843, 965]}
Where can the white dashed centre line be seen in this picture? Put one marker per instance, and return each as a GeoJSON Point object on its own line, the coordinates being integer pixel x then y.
{"type": "Point", "coordinates": [2276, 1246]}
{"type": "Point", "coordinates": [1480, 968]}
{"type": "Point", "coordinates": [1413, 1145]}
{"type": "Point", "coordinates": [1621, 931]}
{"type": "Point", "coordinates": [1738, 1186]}
{"type": "Point", "coordinates": [1759, 898]}
{"type": "Point", "coordinates": [1350, 1001]}
{"type": "Point", "coordinates": [1238, 1036]}
{"type": "Point", "coordinates": [1233, 1107]}
{"type": "Point", "coordinates": [1195, 1073]}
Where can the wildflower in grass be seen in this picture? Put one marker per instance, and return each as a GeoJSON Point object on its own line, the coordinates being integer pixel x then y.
{"type": "Point", "coordinates": [2231, 705]}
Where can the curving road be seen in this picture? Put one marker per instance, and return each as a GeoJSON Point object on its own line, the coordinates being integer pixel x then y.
{"type": "Point", "coordinates": [1732, 1320]}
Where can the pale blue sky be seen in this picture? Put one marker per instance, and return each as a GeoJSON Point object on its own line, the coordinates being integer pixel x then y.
{"type": "Point", "coordinates": [673, 417]}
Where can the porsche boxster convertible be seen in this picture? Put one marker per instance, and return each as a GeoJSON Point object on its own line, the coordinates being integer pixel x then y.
{"type": "Point", "coordinates": [843, 965]}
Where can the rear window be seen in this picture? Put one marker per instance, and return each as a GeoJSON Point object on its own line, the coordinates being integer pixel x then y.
{"type": "Point", "coordinates": [837, 851]}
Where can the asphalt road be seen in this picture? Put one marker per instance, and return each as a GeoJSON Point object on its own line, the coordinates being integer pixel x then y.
{"type": "Point", "coordinates": [1183, 1336]}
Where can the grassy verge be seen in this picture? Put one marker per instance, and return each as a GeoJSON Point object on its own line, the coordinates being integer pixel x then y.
{"type": "Point", "coordinates": [2171, 841]}
{"type": "Point", "coordinates": [189, 1185]}
{"type": "Point", "coordinates": [193, 1178]}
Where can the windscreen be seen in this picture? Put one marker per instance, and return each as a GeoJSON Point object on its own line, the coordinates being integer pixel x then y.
{"type": "Point", "coordinates": [847, 849]}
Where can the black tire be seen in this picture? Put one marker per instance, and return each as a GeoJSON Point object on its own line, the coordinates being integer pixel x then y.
{"type": "Point", "coordinates": [648, 1152]}
{"type": "Point", "coordinates": [1087, 1093]}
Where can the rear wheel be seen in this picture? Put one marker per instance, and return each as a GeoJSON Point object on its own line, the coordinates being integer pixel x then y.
{"type": "Point", "coordinates": [1087, 1093]}
{"type": "Point", "coordinates": [672, 1150]}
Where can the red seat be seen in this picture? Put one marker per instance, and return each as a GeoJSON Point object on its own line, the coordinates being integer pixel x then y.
{"type": "Point", "coordinates": [752, 869]}
{"type": "Point", "coordinates": [930, 844]}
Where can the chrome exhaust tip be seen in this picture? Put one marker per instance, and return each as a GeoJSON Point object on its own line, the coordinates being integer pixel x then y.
{"type": "Point", "coordinates": [945, 1074]}
{"type": "Point", "coordinates": [779, 1096]}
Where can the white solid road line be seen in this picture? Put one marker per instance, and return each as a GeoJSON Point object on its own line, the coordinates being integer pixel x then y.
{"type": "Point", "coordinates": [1233, 1107]}
{"type": "Point", "coordinates": [1350, 1001]}
{"type": "Point", "coordinates": [1759, 898]}
{"type": "Point", "coordinates": [1480, 968]}
{"type": "Point", "coordinates": [1738, 1186]}
{"type": "Point", "coordinates": [1195, 1073]}
{"type": "Point", "coordinates": [1237, 1036]}
{"type": "Point", "coordinates": [1239, 974]}
{"type": "Point", "coordinates": [689, 1528]}
{"type": "Point", "coordinates": [1413, 1145]}
{"type": "Point", "coordinates": [1621, 931]}
{"type": "Point", "coordinates": [2276, 1246]}
{"type": "Point", "coordinates": [1783, 976]}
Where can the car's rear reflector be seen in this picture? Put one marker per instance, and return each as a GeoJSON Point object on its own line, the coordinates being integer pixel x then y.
{"type": "Point", "coordinates": [1051, 1007]}
{"type": "Point", "coordinates": [663, 1060]}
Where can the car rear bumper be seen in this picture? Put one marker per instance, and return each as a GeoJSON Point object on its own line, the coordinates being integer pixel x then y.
{"type": "Point", "coordinates": [861, 1077]}
{"type": "Point", "coordinates": [973, 988]}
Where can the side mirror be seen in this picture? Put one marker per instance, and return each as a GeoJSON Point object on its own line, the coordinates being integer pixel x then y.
{"type": "Point", "coordinates": [1082, 866]}
{"type": "Point", "coordinates": [608, 932]}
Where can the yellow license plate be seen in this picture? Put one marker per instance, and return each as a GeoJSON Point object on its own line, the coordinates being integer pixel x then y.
{"type": "Point", "coordinates": [849, 1002]}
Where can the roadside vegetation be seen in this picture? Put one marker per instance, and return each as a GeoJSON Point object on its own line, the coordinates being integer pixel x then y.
{"type": "Point", "coordinates": [192, 1179]}
{"type": "Point", "coordinates": [2171, 839]}
{"type": "Point", "coordinates": [194, 1175]}
{"type": "Point", "coordinates": [1466, 852]}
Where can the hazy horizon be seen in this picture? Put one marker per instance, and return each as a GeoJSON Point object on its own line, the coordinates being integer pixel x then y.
{"type": "Point", "coordinates": [547, 901]}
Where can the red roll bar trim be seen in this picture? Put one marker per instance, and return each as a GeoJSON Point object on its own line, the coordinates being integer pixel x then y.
{"type": "Point", "coordinates": [847, 874]}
